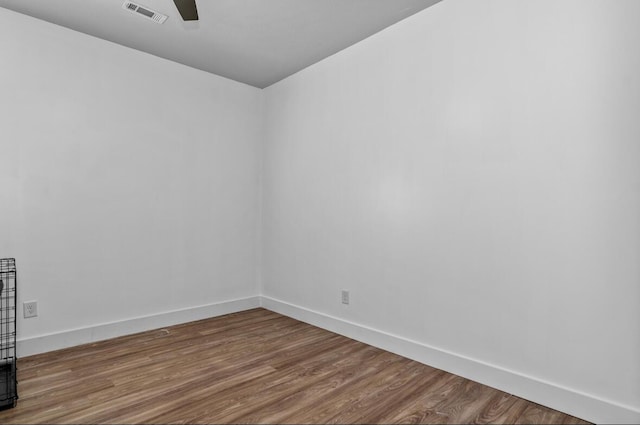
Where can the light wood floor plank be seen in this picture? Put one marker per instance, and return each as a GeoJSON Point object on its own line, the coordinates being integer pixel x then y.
{"type": "Point", "coordinates": [252, 367]}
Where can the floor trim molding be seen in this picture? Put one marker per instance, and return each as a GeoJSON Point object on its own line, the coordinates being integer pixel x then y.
{"type": "Point", "coordinates": [73, 337]}
{"type": "Point", "coordinates": [576, 403]}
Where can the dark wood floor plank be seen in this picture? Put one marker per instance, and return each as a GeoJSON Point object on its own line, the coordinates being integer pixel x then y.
{"type": "Point", "coordinates": [261, 392]}
{"type": "Point", "coordinates": [346, 373]}
{"type": "Point", "coordinates": [252, 367]}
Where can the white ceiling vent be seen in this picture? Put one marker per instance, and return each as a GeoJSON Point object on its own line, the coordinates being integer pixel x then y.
{"type": "Point", "coordinates": [144, 11]}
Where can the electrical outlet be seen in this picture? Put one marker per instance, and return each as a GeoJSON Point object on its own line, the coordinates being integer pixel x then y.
{"type": "Point", "coordinates": [345, 296]}
{"type": "Point", "coordinates": [30, 309]}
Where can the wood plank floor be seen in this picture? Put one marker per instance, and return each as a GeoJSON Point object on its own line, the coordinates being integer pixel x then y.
{"type": "Point", "coordinates": [252, 367]}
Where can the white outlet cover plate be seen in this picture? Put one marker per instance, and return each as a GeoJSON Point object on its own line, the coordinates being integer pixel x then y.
{"type": "Point", "coordinates": [30, 309]}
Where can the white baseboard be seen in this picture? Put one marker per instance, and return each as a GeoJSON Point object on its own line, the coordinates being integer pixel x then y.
{"type": "Point", "coordinates": [73, 337]}
{"type": "Point", "coordinates": [576, 403]}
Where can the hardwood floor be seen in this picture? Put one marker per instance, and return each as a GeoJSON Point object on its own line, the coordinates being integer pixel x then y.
{"type": "Point", "coordinates": [252, 367]}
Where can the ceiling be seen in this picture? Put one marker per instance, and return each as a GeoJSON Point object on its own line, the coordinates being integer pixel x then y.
{"type": "Point", "coordinates": [257, 42]}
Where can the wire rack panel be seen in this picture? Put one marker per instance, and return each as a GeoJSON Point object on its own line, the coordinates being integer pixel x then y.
{"type": "Point", "coordinates": [8, 359]}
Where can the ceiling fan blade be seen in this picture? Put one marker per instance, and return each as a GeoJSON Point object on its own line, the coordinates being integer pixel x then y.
{"type": "Point", "coordinates": [187, 9]}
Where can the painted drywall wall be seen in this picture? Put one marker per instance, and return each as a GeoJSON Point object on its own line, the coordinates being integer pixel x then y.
{"type": "Point", "coordinates": [471, 176]}
{"type": "Point", "coordinates": [128, 183]}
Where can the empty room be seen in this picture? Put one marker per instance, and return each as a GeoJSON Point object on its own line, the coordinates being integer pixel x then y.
{"type": "Point", "coordinates": [319, 211]}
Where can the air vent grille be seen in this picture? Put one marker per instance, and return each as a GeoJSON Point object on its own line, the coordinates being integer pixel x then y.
{"type": "Point", "coordinates": [144, 11]}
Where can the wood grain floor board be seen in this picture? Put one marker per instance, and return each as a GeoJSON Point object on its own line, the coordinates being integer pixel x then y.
{"type": "Point", "coordinates": [186, 398]}
{"type": "Point", "coordinates": [299, 405]}
{"type": "Point", "coordinates": [391, 392]}
{"type": "Point", "coordinates": [345, 375]}
{"type": "Point", "coordinates": [268, 391]}
{"type": "Point", "coordinates": [252, 367]}
{"type": "Point", "coordinates": [190, 404]}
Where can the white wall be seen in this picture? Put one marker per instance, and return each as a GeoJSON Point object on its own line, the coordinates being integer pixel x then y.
{"type": "Point", "coordinates": [128, 183]}
{"type": "Point", "coordinates": [472, 176]}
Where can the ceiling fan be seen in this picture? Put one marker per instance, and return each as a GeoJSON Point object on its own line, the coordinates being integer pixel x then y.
{"type": "Point", "coordinates": [187, 9]}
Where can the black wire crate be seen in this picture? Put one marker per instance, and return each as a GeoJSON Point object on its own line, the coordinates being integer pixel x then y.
{"type": "Point", "coordinates": [8, 359]}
